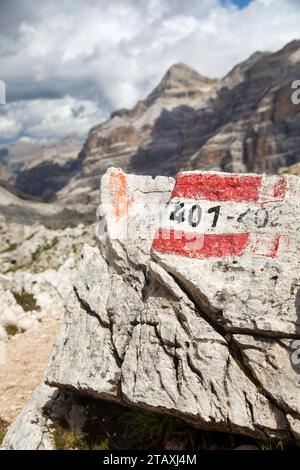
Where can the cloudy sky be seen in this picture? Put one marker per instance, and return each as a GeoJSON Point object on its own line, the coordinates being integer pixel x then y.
{"type": "Point", "coordinates": [68, 63]}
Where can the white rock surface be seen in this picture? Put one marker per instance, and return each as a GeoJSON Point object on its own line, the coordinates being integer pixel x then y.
{"type": "Point", "coordinates": [137, 334]}
{"type": "Point", "coordinates": [31, 431]}
{"type": "Point", "coordinates": [38, 262]}
{"type": "Point", "coordinates": [151, 330]}
{"type": "Point", "coordinates": [257, 289]}
{"type": "Point", "coordinates": [35, 427]}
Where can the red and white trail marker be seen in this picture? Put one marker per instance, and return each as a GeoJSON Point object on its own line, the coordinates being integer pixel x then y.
{"type": "Point", "coordinates": [216, 215]}
{"type": "Point", "coordinates": [235, 239]}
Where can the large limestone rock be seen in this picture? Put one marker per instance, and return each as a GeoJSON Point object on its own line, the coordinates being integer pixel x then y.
{"type": "Point", "coordinates": [240, 235]}
{"type": "Point", "coordinates": [34, 429]}
{"type": "Point", "coordinates": [31, 430]}
{"type": "Point", "coordinates": [189, 329]}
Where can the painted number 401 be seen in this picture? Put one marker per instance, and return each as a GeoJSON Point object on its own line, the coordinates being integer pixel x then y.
{"type": "Point", "coordinates": [194, 214]}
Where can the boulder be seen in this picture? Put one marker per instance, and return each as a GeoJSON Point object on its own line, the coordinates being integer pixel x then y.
{"type": "Point", "coordinates": [188, 306]}
{"type": "Point", "coordinates": [38, 424]}
{"type": "Point", "coordinates": [171, 329]}
{"type": "Point", "coordinates": [232, 241]}
{"type": "Point", "coordinates": [30, 431]}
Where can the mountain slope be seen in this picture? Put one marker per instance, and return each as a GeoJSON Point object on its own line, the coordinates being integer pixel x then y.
{"type": "Point", "coordinates": [17, 207]}
{"type": "Point", "coordinates": [40, 170]}
{"type": "Point", "coordinates": [244, 122]}
{"type": "Point", "coordinates": [146, 139]}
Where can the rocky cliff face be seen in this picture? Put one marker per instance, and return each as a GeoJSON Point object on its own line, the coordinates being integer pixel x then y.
{"type": "Point", "coordinates": [244, 122]}
{"type": "Point", "coordinates": [40, 170]}
{"type": "Point", "coordinates": [145, 139]}
{"type": "Point", "coordinates": [203, 328]}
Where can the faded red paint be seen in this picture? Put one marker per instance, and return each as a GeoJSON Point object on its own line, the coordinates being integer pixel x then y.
{"type": "Point", "coordinates": [216, 187]}
{"type": "Point", "coordinates": [280, 188]}
{"type": "Point", "coordinates": [200, 246]}
{"type": "Point", "coordinates": [265, 246]}
{"type": "Point", "coordinates": [273, 190]}
{"type": "Point", "coordinates": [118, 187]}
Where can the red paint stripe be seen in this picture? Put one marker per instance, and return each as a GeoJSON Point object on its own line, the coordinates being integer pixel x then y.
{"type": "Point", "coordinates": [193, 245]}
{"type": "Point", "coordinates": [214, 187]}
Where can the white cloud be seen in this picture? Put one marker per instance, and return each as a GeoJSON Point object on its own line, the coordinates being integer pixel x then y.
{"type": "Point", "coordinates": [9, 127]}
{"type": "Point", "coordinates": [108, 55]}
{"type": "Point", "coordinates": [49, 119]}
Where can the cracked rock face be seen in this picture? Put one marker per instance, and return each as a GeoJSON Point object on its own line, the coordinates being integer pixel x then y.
{"type": "Point", "coordinates": [237, 239]}
{"type": "Point", "coordinates": [146, 324]}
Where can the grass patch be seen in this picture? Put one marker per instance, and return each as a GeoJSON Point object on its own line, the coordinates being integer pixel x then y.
{"type": "Point", "coordinates": [12, 329]}
{"type": "Point", "coordinates": [41, 249]}
{"type": "Point", "coordinates": [114, 427]}
{"type": "Point", "coordinates": [2, 436]}
{"type": "Point", "coordinates": [34, 257]}
{"type": "Point", "coordinates": [65, 439]}
{"type": "Point", "coordinates": [270, 445]}
{"type": "Point", "coordinates": [26, 300]}
{"type": "Point", "coordinates": [152, 431]}
{"type": "Point", "coordinates": [3, 429]}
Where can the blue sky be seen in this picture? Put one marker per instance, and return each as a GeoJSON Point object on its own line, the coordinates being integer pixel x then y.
{"type": "Point", "coordinates": [242, 3]}
{"type": "Point", "coordinates": [239, 3]}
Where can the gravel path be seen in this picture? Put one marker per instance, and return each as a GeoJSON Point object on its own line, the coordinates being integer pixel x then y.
{"type": "Point", "coordinates": [27, 356]}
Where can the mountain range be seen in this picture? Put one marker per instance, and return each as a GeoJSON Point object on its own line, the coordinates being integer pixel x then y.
{"type": "Point", "coordinates": [244, 122]}
{"type": "Point", "coordinates": [40, 169]}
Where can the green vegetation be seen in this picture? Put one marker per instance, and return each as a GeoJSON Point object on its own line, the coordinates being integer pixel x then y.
{"type": "Point", "coordinates": [114, 427]}
{"type": "Point", "coordinates": [270, 445]}
{"type": "Point", "coordinates": [34, 257]}
{"type": "Point", "coordinates": [26, 300]}
{"type": "Point", "coordinates": [12, 329]}
{"type": "Point", "coordinates": [65, 439]}
{"type": "Point", "coordinates": [2, 435]}
{"type": "Point", "coordinates": [3, 429]}
{"type": "Point", "coordinates": [41, 249]}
